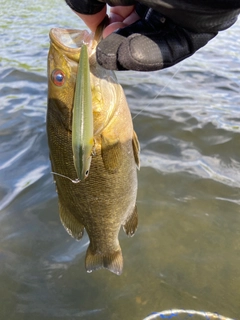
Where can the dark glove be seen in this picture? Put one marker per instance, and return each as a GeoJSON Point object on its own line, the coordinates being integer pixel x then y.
{"type": "Point", "coordinates": [162, 37]}
{"type": "Point", "coordinates": [152, 43]}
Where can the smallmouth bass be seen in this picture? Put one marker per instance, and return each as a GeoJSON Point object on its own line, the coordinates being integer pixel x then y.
{"type": "Point", "coordinates": [106, 199]}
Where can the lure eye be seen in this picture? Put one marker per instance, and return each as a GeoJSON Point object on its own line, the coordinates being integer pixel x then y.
{"type": "Point", "coordinates": [58, 77]}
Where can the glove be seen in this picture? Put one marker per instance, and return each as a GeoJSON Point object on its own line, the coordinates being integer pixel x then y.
{"type": "Point", "coordinates": [163, 36]}
{"type": "Point", "coordinates": [152, 43]}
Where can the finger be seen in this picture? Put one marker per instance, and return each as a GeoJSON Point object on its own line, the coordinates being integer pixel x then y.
{"type": "Point", "coordinates": [113, 27]}
{"type": "Point", "coordinates": [133, 17]}
{"type": "Point", "coordinates": [92, 21]}
{"type": "Point", "coordinates": [121, 11]}
{"type": "Point", "coordinates": [116, 23]}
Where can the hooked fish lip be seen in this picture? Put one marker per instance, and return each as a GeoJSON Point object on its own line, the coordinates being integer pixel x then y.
{"type": "Point", "coordinates": [70, 40]}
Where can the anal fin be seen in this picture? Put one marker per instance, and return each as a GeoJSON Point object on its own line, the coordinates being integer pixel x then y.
{"type": "Point", "coordinates": [131, 225]}
{"type": "Point", "coordinates": [70, 223]}
{"type": "Point", "coordinates": [112, 261]}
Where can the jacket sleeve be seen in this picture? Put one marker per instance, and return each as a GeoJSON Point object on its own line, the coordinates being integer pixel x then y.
{"type": "Point", "coordinates": [198, 15]}
{"type": "Point", "coordinates": [85, 6]}
{"type": "Point", "coordinates": [94, 6]}
{"type": "Point", "coordinates": [195, 15]}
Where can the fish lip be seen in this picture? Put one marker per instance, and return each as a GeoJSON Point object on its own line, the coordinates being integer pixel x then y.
{"type": "Point", "coordinates": [70, 40]}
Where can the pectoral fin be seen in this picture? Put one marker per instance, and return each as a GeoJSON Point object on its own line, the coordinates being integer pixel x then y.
{"type": "Point", "coordinates": [131, 225]}
{"type": "Point", "coordinates": [112, 261]}
{"type": "Point", "coordinates": [70, 223]}
{"type": "Point", "coordinates": [136, 149]}
{"type": "Point", "coordinates": [111, 150]}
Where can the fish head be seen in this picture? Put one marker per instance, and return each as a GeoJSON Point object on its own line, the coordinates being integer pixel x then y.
{"type": "Point", "coordinates": [63, 59]}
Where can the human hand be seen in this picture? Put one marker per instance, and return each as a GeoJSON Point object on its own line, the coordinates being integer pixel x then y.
{"type": "Point", "coordinates": [120, 17]}
{"type": "Point", "coordinates": [144, 39]}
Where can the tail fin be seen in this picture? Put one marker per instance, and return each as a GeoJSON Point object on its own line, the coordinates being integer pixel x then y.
{"type": "Point", "coordinates": [112, 261]}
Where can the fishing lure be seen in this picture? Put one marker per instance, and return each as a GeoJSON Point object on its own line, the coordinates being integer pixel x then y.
{"type": "Point", "coordinates": [82, 119]}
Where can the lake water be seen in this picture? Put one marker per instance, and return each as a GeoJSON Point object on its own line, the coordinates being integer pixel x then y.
{"type": "Point", "coordinates": [186, 252]}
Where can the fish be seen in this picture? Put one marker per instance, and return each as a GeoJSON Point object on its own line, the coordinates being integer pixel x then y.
{"type": "Point", "coordinates": [105, 200]}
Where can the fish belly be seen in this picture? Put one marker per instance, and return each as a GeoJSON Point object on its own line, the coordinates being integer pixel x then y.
{"type": "Point", "coordinates": [101, 203]}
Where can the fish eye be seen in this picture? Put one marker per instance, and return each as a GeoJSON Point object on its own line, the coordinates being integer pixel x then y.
{"type": "Point", "coordinates": [58, 77]}
{"type": "Point", "coordinates": [86, 173]}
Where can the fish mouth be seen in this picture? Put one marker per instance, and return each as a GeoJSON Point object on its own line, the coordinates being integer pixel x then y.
{"type": "Point", "coordinates": [70, 40]}
{"type": "Point", "coordinates": [104, 84]}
